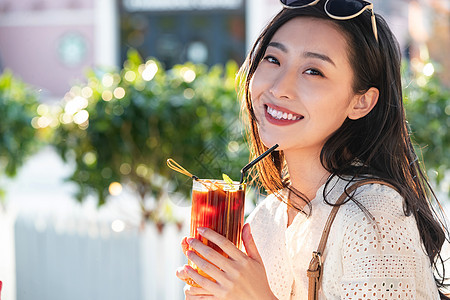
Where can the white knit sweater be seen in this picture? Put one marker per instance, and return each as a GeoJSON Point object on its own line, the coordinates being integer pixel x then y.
{"type": "Point", "coordinates": [362, 259]}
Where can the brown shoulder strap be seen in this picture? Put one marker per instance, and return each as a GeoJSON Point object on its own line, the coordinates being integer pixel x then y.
{"type": "Point", "coordinates": [315, 266]}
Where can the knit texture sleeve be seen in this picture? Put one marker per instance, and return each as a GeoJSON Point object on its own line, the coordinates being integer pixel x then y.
{"type": "Point", "coordinates": [382, 253]}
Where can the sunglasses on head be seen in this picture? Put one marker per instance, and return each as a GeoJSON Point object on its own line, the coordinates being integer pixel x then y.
{"type": "Point", "coordinates": [338, 9]}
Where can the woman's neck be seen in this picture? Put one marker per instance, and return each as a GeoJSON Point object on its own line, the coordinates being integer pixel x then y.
{"type": "Point", "coordinates": [306, 172]}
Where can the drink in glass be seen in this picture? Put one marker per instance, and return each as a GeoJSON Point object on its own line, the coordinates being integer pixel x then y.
{"type": "Point", "coordinates": [218, 205]}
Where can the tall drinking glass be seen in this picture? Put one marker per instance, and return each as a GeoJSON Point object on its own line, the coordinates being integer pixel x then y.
{"type": "Point", "coordinates": [218, 205]}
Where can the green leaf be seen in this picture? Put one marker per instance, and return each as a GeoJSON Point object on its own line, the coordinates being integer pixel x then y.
{"type": "Point", "coordinates": [227, 178]}
{"type": "Point", "coordinates": [18, 138]}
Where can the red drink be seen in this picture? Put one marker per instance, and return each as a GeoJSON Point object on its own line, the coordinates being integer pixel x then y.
{"type": "Point", "coordinates": [220, 206]}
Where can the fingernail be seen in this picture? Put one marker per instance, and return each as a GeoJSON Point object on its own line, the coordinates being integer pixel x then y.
{"type": "Point", "coordinates": [189, 254]}
{"type": "Point", "coordinates": [249, 231]}
{"type": "Point", "coordinates": [189, 240]}
{"type": "Point", "coordinates": [201, 230]}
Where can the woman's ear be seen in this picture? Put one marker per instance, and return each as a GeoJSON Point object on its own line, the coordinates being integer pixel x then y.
{"type": "Point", "coordinates": [363, 104]}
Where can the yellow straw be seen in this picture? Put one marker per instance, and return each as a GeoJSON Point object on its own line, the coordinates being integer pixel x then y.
{"type": "Point", "coordinates": [176, 167]}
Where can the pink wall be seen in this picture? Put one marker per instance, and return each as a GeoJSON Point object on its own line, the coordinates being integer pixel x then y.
{"type": "Point", "coordinates": [32, 54]}
{"type": "Point", "coordinates": [30, 39]}
{"type": "Point", "coordinates": [21, 5]}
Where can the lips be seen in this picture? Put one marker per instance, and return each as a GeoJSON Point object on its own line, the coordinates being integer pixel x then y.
{"type": "Point", "coordinates": [281, 116]}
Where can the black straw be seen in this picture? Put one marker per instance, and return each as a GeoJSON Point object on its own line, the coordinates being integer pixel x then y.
{"type": "Point", "coordinates": [252, 163]}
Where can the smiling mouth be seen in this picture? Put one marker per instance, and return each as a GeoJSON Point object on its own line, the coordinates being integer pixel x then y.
{"type": "Point", "coordinates": [281, 116]}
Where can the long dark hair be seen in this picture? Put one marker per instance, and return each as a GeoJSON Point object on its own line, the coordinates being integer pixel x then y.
{"type": "Point", "coordinates": [379, 142]}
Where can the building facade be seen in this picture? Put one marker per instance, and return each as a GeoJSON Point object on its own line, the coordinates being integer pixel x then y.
{"type": "Point", "coordinates": [209, 32]}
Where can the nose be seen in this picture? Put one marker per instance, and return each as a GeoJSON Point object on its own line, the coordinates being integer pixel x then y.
{"type": "Point", "coordinates": [284, 85]}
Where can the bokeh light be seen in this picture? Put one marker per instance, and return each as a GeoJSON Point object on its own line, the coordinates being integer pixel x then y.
{"type": "Point", "coordinates": [150, 70]}
{"type": "Point", "coordinates": [189, 93]}
{"type": "Point", "coordinates": [90, 158]}
{"type": "Point", "coordinates": [125, 169]}
{"type": "Point", "coordinates": [107, 95]}
{"type": "Point", "coordinates": [118, 226]}
{"type": "Point", "coordinates": [188, 74]}
{"type": "Point", "coordinates": [115, 188]}
{"type": "Point", "coordinates": [44, 122]}
{"type": "Point", "coordinates": [142, 170]}
{"type": "Point", "coordinates": [66, 119]}
{"type": "Point", "coordinates": [42, 109]}
{"type": "Point", "coordinates": [233, 146]}
{"type": "Point", "coordinates": [75, 105]}
{"type": "Point", "coordinates": [119, 92]}
{"type": "Point", "coordinates": [81, 117]}
{"type": "Point", "coordinates": [87, 92]}
{"type": "Point", "coordinates": [428, 69]}
{"type": "Point", "coordinates": [107, 80]}
{"type": "Point", "coordinates": [130, 76]}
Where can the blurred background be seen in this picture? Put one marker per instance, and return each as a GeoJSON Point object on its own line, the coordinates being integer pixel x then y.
{"type": "Point", "coordinates": [95, 95]}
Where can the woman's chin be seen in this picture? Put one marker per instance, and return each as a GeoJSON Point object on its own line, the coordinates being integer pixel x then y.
{"type": "Point", "coordinates": [271, 141]}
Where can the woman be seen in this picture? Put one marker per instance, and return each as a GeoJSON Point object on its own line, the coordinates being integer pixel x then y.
{"type": "Point", "coordinates": [328, 91]}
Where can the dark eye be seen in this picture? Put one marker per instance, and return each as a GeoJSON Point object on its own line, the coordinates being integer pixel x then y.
{"type": "Point", "coordinates": [314, 72]}
{"type": "Point", "coordinates": [272, 60]}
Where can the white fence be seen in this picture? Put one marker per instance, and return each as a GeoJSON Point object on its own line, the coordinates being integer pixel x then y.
{"type": "Point", "coordinates": [92, 262]}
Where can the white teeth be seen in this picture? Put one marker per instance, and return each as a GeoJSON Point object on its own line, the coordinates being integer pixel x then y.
{"type": "Point", "coordinates": [280, 115]}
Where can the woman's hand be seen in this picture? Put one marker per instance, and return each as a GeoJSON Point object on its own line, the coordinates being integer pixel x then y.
{"type": "Point", "coordinates": [239, 276]}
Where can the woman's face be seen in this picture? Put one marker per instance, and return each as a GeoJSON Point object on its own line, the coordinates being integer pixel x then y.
{"type": "Point", "coordinates": [302, 90]}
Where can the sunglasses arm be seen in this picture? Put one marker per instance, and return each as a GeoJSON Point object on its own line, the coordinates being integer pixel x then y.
{"type": "Point", "coordinates": [374, 25]}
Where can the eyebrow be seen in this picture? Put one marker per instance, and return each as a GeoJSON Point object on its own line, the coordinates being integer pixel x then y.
{"type": "Point", "coordinates": [305, 54]}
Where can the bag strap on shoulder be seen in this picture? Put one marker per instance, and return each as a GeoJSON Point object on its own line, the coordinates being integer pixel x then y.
{"type": "Point", "coordinates": [314, 271]}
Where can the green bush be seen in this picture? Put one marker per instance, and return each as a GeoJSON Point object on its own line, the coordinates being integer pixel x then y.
{"type": "Point", "coordinates": [121, 127]}
{"type": "Point", "coordinates": [18, 139]}
{"type": "Point", "coordinates": [427, 104]}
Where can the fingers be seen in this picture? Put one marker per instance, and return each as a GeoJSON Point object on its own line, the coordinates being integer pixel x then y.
{"type": "Point", "coordinates": [249, 244]}
{"type": "Point", "coordinates": [222, 242]}
{"type": "Point", "coordinates": [205, 265]}
{"type": "Point", "coordinates": [192, 292]}
{"type": "Point", "coordinates": [181, 274]}
{"type": "Point", "coordinates": [205, 283]}
{"type": "Point", "coordinates": [208, 255]}
{"type": "Point", "coordinates": [184, 245]}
